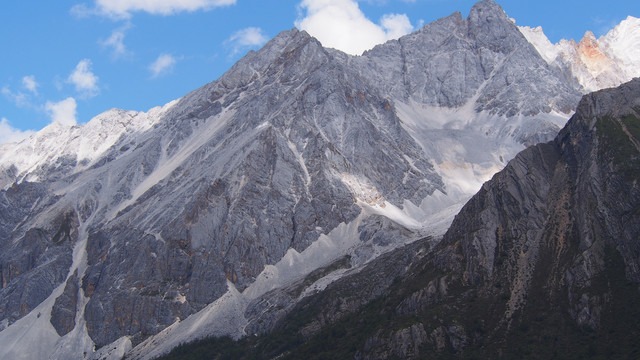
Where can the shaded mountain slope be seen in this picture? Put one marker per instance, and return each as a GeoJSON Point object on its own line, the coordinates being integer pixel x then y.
{"type": "Point", "coordinates": [541, 263]}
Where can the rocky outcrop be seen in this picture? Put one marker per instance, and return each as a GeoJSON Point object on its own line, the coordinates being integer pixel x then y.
{"type": "Point", "coordinates": [63, 313]}
{"type": "Point", "coordinates": [35, 257]}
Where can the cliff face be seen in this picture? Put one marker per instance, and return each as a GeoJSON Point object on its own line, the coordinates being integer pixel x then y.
{"type": "Point", "coordinates": [543, 262]}
{"type": "Point", "coordinates": [559, 226]}
{"type": "Point", "coordinates": [552, 241]}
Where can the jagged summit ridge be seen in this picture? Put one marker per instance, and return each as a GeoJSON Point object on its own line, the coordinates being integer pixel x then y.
{"type": "Point", "coordinates": [597, 63]}
{"type": "Point", "coordinates": [482, 61]}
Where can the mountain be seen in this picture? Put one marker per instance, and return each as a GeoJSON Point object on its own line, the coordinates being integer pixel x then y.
{"type": "Point", "coordinates": [221, 211]}
{"type": "Point", "coordinates": [597, 63]}
{"type": "Point", "coordinates": [541, 263]}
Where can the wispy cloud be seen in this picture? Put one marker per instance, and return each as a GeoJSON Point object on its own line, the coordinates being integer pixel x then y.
{"type": "Point", "coordinates": [340, 24]}
{"type": "Point", "coordinates": [115, 42]}
{"type": "Point", "coordinates": [10, 134]}
{"type": "Point", "coordinates": [29, 82]}
{"type": "Point", "coordinates": [84, 80]}
{"type": "Point", "coordinates": [19, 98]}
{"type": "Point", "coordinates": [246, 38]}
{"type": "Point", "coordinates": [62, 112]}
{"type": "Point", "coordinates": [162, 65]}
{"type": "Point", "coordinates": [123, 9]}
{"type": "Point", "coordinates": [83, 11]}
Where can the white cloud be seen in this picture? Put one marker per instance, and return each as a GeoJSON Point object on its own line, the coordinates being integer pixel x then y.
{"type": "Point", "coordinates": [340, 24]}
{"type": "Point", "coordinates": [396, 25]}
{"type": "Point", "coordinates": [29, 82]}
{"type": "Point", "coordinates": [163, 65]}
{"type": "Point", "coordinates": [246, 38]}
{"type": "Point", "coordinates": [82, 11]}
{"type": "Point", "coordinates": [85, 81]}
{"type": "Point", "coordinates": [10, 134]}
{"type": "Point", "coordinates": [62, 112]}
{"type": "Point", "coordinates": [116, 42]}
{"type": "Point", "coordinates": [120, 9]}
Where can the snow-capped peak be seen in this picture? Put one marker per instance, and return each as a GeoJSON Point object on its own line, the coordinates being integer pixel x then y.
{"type": "Point", "coordinates": [539, 40]}
{"type": "Point", "coordinates": [597, 63]}
{"type": "Point", "coordinates": [81, 144]}
{"type": "Point", "coordinates": [623, 42]}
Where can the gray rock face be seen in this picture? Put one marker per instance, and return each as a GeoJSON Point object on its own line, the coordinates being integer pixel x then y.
{"type": "Point", "coordinates": [551, 242]}
{"type": "Point", "coordinates": [406, 344]}
{"type": "Point", "coordinates": [282, 148]}
{"type": "Point", "coordinates": [33, 261]}
{"type": "Point", "coordinates": [268, 180]}
{"type": "Point", "coordinates": [542, 262]}
{"type": "Point", "coordinates": [63, 314]}
{"type": "Point", "coordinates": [482, 59]}
{"type": "Point", "coordinates": [557, 222]}
{"type": "Point", "coordinates": [580, 182]}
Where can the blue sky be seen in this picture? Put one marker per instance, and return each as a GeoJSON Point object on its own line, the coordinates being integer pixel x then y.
{"type": "Point", "coordinates": [70, 60]}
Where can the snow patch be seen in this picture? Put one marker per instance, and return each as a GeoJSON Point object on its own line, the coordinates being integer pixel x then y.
{"type": "Point", "coordinates": [623, 42]}
{"type": "Point", "coordinates": [114, 351]}
{"type": "Point", "coordinates": [33, 336]}
{"type": "Point", "coordinates": [539, 40]}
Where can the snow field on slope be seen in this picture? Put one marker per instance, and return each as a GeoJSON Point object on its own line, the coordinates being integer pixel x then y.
{"type": "Point", "coordinates": [86, 142]}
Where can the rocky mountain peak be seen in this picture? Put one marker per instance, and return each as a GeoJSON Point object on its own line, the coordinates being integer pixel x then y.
{"type": "Point", "coordinates": [582, 152]}
{"type": "Point", "coordinates": [592, 55]}
{"type": "Point", "coordinates": [491, 70]}
{"type": "Point", "coordinates": [596, 63]}
{"type": "Point", "coordinates": [283, 43]}
{"type": "Point", "coordinates": [492, 28]}
{"type": "Point", "coordinates": [485, 11]}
